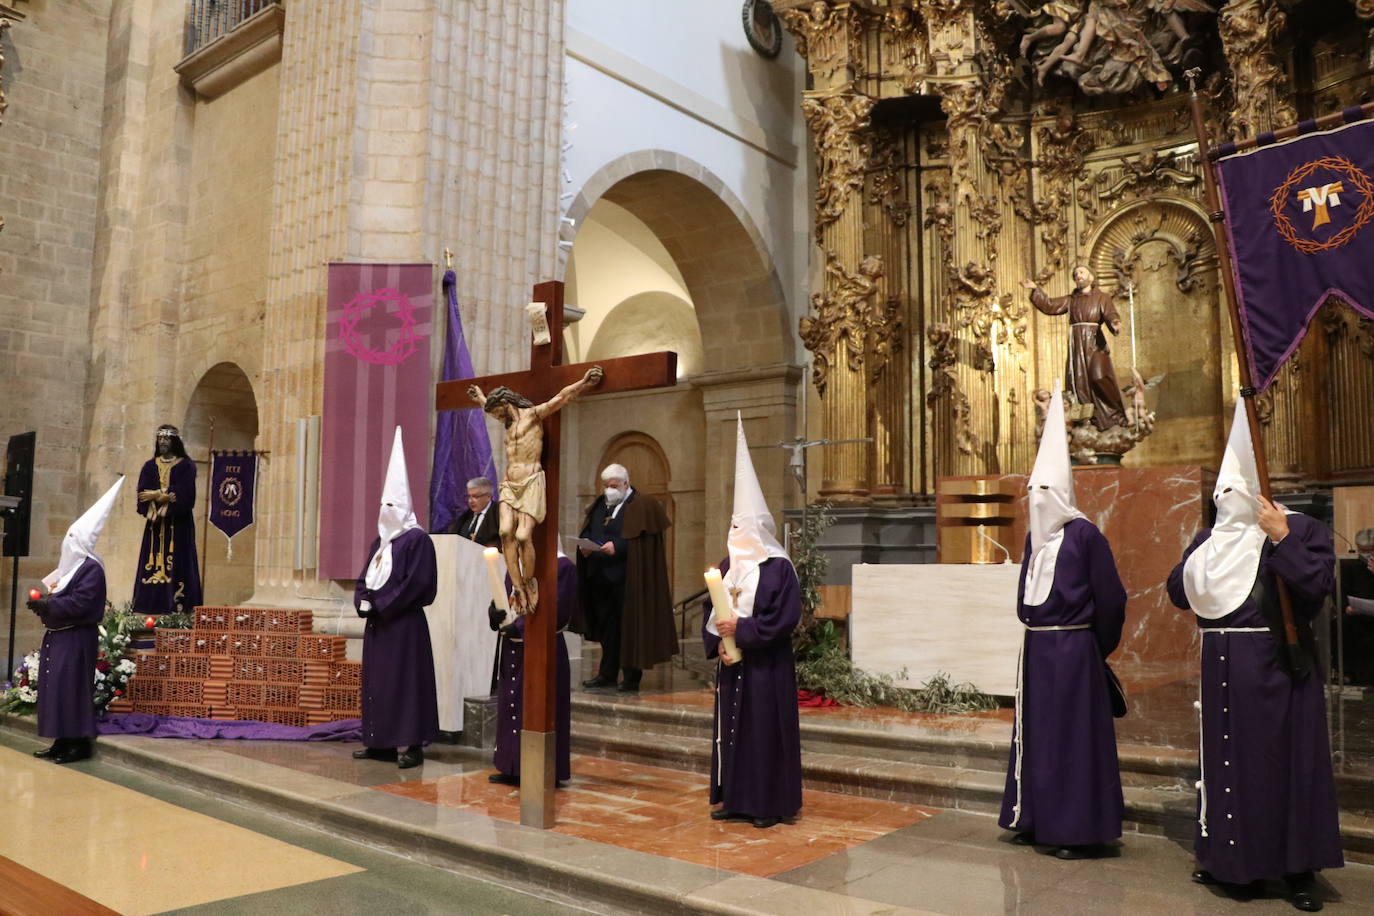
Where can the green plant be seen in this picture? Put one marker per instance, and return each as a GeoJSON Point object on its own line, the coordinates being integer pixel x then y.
{"type": "Point", "coordinates": [832, 673]}
{"type": "Point", "coordinates": [811, 565]}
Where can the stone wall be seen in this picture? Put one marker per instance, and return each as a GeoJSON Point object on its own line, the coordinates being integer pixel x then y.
{"type": "Point", "coordinates": [53, 77]}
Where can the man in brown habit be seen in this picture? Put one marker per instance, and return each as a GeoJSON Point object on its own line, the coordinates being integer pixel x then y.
{"type": "Point", "coordinates": [626, 603]}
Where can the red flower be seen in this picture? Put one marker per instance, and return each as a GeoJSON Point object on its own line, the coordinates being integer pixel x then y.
{"type": "Point", "coordinates": [119, 693]}
{"type": "Point", "coordinates": [102, 666]}
{"type": "Point", "coordinates": [24, 681]}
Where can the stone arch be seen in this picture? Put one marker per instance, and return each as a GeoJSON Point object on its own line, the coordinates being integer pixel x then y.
{"type": "Point", "coordinates": [225, 395]}
{"type": "Point", "coordinates": [734, 285]}
{"type": "Point", "coordinates": [647, 322]}
{"type": "Point", "coordinates": [1164, 247]}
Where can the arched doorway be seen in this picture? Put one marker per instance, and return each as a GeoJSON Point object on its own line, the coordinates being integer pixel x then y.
{"type": "Point", "coordinates": [666, 257]}
{"type": "Point", "coordinates": [223, 397]}
{"type": "Point", "coordinates": [650, 475]}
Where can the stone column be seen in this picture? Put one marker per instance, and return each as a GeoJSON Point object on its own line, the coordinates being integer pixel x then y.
{"type": "Point", "coordinates": [1261, 89]}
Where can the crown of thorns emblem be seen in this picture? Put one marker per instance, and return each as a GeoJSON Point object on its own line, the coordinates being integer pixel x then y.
{"type": "Point", "coordinates": [389, 302]}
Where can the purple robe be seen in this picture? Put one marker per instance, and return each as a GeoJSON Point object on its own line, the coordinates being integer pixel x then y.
{"type": "Point", "coordinates": [1070, 785]}
{"type": "Point", "coordinates": [756, 754]}
{"type": "Point", "coordinates": [1268, 796]}
{"type": "Point", "coordinates": [66, 677]}
{"type": "Point", "coordinates": [168, 576]}
{"type": "Point", "coordinates": [510, 692]}
{"type": "Point", "coordinates": [399, 704]}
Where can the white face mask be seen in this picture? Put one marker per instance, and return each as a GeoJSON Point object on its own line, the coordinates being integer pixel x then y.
{"type": "Point", "coordinates": [614, 496]}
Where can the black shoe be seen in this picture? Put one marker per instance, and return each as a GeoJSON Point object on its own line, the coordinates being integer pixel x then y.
{"type": "Point", "coordinates": [1023, 839]}
{"type": "Point", "coordinates": [628, 687]}
{"type": "Point", "coordinates": [376, 753]}
{"type": "Point", "coordinates": [720, 814]}
{"type": "Point", "coordinates": [1203, 876]}
{"type": "Point", "coordinates": [599, 681]}
{"type": "Point", "coordinates": [560, 784]}
{"type": "Point", "coordinates": [1302, 892]}
{"type": "Point", "coordinates": [52, 751]}
{"type": "Point", "coordinates": [503, 779]}
{"type": "Point", "coordinates": [763, 823]}
{"type": "Point", "coordinates": [76, 749]}
{"type": "Point", "coordinates": [1074, 853]}
{"type": "Point", "coordinates": [410, 757]}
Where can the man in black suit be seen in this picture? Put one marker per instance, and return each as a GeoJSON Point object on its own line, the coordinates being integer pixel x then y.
{"type": "Point", "coordinates": [481, 523]}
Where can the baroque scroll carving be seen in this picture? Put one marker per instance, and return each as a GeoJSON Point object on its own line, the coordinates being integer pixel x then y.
{"type": "Point", "coordinates": [829, 38]}
{"type": "Point", "coordinates": [838, 125]}
{"type": "Point", "coordinates": [1258, 82]}
{"type": "Point", "coordinates": [842, 317]}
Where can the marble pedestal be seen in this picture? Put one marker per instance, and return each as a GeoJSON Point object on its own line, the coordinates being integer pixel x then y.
{"type": "Point", "coordinates": [874, 534]}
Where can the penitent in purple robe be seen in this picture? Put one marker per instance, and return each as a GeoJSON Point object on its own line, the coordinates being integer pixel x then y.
{"type": "Point", "coordinates": [167, 579]}
{"type": "Point", "coordinates": [1069, 790]}
{"type": "Point", "coordinates": [66, 677]}
{"type": "Point", "coordinates": [1267, 800]}
{"type": "Point", "coordinates": [756, 751]}
{"type": "Point", "coordinates": [400, 706]}
{"type": "Point", "coordinates": [510, 692]}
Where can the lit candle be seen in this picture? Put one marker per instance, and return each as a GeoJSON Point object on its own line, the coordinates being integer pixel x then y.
{"type": "Point", "coordinates": [720, 603]}
{"type": "Point", "coordinates": [498, 586]}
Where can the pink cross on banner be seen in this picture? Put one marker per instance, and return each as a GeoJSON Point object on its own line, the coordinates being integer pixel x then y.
{"type": "Point", "coordinates": [376, 377]}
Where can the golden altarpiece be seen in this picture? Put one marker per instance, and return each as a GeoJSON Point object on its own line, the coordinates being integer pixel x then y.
{"type": "Point", "coordinates": [956, 156]}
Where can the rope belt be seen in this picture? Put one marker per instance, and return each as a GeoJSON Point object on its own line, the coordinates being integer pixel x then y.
{"type": "Point", "coordinates": [1235, 630]}
{"type": "Point", "coordinates": [556, 632]}
{"type": "Point", "coordinates": [1201, 738]}
{"type": "Point", "coordinates": [1075, 626]}
{"type": "Point", "coordinates": [1020, 687]}
{"type": "Point", "coordinates": [1083, 324]}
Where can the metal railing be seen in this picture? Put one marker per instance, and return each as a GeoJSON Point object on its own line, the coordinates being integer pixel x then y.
{"type": "Point", "coordinates": [207, 20]}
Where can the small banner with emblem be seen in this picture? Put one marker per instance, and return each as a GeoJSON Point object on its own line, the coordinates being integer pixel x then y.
{"type": "Point", "coordinates": [233, 488]}
{"type": "Point", "coordinates": [1299, 216]}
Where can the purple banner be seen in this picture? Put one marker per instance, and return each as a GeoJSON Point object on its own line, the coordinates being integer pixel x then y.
{"type": "Point", "coordinates": [233, 490]}
{"type": "Point", "coordinates": [376, 377]}
{"type": "Point", "coordinates": [462, 449]}
{"type": "Point", "coordinates": [1299, 222]}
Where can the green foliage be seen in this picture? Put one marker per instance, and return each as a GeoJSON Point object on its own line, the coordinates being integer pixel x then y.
{"type": "Point", "coordinates": [130, 620]}
{"type": "Point", "coordinates": [832, 673]}
{"type": "Point", "coordinates": [811, 565]}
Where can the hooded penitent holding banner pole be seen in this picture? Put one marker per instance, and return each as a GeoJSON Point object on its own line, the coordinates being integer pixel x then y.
{"type": "Point", "coordinates": [756, 748]}
{"type": "Point", "coordinates": [71, 613]}
{"type": "Point", "coordinates": [401, 578]}
{"type": "Point", "coordinates": [1063, 784]}
{"type": "Point", "coordinates": [1295, 230]}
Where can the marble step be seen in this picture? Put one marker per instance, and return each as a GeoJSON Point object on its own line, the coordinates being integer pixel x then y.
{"type": "Point", "coordinates": [1166, 809]}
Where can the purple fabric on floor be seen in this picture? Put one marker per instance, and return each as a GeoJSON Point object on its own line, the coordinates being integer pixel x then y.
{"type": "Point", "coordinates": [138, 723]}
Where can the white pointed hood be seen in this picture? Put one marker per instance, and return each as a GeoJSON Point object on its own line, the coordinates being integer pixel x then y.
{"type": "Point", "coordinates": [397, 515]}
{"type": "Point", "coordinates": [753, 535]}
{"type": "Point", "coordinates": [1220, 574]}
{"type": "Point", "coordinates": [79, 542]}
{"type": "Point", "coordinates": [1051, 502]}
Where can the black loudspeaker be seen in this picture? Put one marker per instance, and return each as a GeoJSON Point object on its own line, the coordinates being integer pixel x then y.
{"type": "Point", "coordinates": [19, 482]}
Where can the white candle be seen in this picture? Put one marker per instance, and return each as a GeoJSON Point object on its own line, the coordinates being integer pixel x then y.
{"type": "Point", "coordinates": [498, 586]}
{"type": "Point", "coordinates": [720, 603]}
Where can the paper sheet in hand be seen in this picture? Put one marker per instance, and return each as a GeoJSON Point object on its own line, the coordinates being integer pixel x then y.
{"type": "Point", "coordinates": [1362, 606]}
{"type": "Point", "coordinates": [584, 544]}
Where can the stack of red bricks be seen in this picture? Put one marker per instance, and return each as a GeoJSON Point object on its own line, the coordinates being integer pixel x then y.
{"type": "Point", "coordinates": [258, 664]}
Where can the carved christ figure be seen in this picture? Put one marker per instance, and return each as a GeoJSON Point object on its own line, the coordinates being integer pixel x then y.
{"type": "Point", "coordinates": [1088, 375]}
{"type": "Point", "coordinates": [522, 490]}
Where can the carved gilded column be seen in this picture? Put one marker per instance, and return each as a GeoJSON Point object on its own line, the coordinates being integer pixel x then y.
{"type": "Point", "coordinates": [1260, 91]}
{"type": "Point", "coordinates": [888, 217]}
{"type": "Point", "coordinates": [842, 312]}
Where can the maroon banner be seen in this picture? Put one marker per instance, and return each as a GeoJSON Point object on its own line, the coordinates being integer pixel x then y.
{"type": "Point", "coordinates": [376, 377]}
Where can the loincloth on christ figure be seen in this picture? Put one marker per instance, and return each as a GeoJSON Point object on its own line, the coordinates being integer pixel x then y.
{"type": "Point", "coordinates": [525, 495]}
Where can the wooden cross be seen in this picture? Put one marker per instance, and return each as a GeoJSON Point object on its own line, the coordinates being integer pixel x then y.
{"type": "Point", "coordinates": [545, 378]}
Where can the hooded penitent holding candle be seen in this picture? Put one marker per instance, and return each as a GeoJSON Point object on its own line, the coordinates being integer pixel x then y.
{"type": "Point", "coordinates": [510, 689]}
{"type": "Point", "coordinates": [400, 709]}
{"type": "Point", "coordinates": [1063, 784]}
{"type": "Point", "coordinates": [1267, 798]}
{"type": "Point", "coordinates": [756, 748]}
{"type": "Point", "coordinates": [72, 612]}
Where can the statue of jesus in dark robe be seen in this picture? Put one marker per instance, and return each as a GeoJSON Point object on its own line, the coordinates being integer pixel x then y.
{"type": "Point", "coordinates": [168, 576]}
{"type": "Point", "coordinates": [1088, 373]}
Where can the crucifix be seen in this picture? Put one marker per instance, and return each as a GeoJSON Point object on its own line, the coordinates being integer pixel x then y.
{"type": "Point", "coordinates": [541, 383]}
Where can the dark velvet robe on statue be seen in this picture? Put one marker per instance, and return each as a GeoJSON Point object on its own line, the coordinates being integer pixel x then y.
{"type": "Point", "coordinates": [168, 576]}
{"type": "Point", "coordinates": [1268, 798]}
{"type": "Point", "coordinates": [1070, 787]}
{"type": "Point", "coordinates": [66, 677]}
{"type": "Point", "coordinates": [510, 691]}
{"type": "Point", "coordinates": [400, 706]}
{"type": "Point", "coordinates": [756, 754]}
